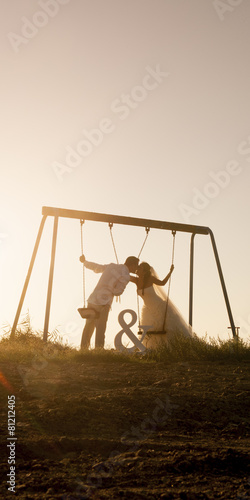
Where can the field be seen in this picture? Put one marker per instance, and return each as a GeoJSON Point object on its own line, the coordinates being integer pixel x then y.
{"type": "Point", "coordinates": [173, 424]}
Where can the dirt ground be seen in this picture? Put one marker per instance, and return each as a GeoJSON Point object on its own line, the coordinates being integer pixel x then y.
{"type": "Point", "coordinates": [130, 429]}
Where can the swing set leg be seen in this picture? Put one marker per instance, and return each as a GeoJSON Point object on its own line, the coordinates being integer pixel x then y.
{"type": "Point", "coordinates": [51, 274]}
{"type": "Point", "coordinates": [191, 280]}
{"type": "Point", "coordinates": [26, 283]}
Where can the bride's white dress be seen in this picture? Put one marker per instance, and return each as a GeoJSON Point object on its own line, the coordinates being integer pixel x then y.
{"type": "Point", "coordinates": [153, 312]}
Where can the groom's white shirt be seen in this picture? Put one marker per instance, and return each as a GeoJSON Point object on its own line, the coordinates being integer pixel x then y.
{"type": "Point", "coordinates": [113, 281]}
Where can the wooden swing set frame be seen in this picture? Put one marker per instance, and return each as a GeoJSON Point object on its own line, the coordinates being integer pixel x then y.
{"type": "Point", "coordinates": [117, 219]}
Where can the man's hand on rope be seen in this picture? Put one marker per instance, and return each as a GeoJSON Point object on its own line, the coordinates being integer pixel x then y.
{"type": "Point", "coordinates": [82, 258]}
{"type": "Point", "coordinates": [171, 268]}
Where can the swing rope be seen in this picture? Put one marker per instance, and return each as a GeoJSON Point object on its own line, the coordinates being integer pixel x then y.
{"type": "Point", "coordinates": [112, 239]}
{"type": "Point", "coordinates": [85, 312]}
{"type": "Point", "coordinates": [83, 267]}
{"type": "Point", "coordinates": [169, 282]}
{"type": "Point", "coordinates": [147, 229]}
{"type": "Point", "coordinates": [83, 272]}
{"type": "Point", "coordinates": [138, 313]}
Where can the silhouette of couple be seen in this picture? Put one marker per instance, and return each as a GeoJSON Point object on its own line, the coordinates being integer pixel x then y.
{"type": "Point", "coordinates": [113, 281]}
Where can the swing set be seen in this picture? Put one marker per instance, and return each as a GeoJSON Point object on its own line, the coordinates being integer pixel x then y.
{"type": "Point", "coordinates": [85, 312]}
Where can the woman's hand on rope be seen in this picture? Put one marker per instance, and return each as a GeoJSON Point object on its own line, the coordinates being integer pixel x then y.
{"type": "Point", "coordinates": [82, 258]}
{"type": "Point", "coordinates": [165, 280]}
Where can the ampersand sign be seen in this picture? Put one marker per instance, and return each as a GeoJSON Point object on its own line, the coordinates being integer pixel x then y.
{"type": "Point", "coordinates": [126, 329]}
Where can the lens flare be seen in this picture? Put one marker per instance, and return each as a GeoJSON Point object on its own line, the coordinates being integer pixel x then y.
{"type": "Point", "coordinates": [5, 382]}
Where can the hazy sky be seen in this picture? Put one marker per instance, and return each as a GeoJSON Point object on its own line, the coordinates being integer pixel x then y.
{"type": "Point", "coordinates": [130, 107]}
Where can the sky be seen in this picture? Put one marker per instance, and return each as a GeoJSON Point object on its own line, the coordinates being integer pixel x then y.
{"type": "Point", "coordinates": [136, 108]}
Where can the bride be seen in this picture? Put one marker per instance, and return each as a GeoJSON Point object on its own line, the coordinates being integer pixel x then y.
{"type": "Point", "coordinates": [158, 310]}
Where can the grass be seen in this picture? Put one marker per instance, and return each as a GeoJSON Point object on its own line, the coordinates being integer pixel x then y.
{"type": "Point", "coordinates": [201, 349]}
{"type": "Point", "coordinates": [28, 344]}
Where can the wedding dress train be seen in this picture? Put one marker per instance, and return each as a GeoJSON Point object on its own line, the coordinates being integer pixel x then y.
{"type": "Point", "coordinates": [153, 313]}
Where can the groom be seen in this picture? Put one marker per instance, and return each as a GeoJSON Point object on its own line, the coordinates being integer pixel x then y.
{"type": "Point", "coordinates": [112, 282]}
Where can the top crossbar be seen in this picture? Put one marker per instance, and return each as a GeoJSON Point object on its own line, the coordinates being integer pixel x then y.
{"type": "Point", "coordinates": [129, 221]}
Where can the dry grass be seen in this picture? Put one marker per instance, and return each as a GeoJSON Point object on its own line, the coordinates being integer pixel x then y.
{"type": "Point", "coordinates": [28, 343]}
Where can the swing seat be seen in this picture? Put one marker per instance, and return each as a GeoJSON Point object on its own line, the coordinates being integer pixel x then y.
{"type": "Point", "coordinates": [154, 339]}
{"type": "Point", "coordinates": [88, 313]}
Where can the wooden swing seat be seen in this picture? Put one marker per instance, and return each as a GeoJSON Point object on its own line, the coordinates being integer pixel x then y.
{"type": "Point", "coordinates": [88, 313]}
